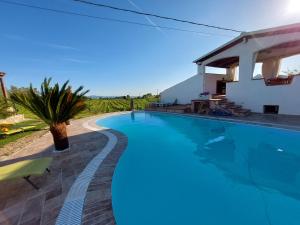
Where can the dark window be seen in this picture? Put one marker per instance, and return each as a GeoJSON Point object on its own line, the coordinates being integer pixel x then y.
{"type": "Point", "coordinates": [221, 87]}
{"type": "Point", "coordinates": [271, 109]}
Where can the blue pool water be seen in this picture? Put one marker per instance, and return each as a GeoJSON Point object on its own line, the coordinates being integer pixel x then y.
{"type": "Point", "coordinates": [180, 170]}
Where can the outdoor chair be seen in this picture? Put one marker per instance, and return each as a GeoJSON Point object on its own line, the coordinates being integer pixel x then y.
{"type": "Point", "coordinates": [25, 169]}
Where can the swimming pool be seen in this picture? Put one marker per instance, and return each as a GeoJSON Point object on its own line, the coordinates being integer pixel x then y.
{"type": "Point", "coordinates": [180, 170]}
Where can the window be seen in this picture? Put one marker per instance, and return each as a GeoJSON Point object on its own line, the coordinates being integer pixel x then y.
{"type": "Point", "coordinates": [237, 74]}
{"type": "Point", "coordinates": [215, 70]}
{"type": "Point", "coordinates": [290, 65]}
{"type": "Point", "coordinates": [257, 74]}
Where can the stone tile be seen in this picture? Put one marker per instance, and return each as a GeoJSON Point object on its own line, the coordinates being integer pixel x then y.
{"type": "Point", "coordinates": [53, 203]}
{"type": "Point", "coordinates": [98, 203]}
{"type": "Point", "coordinates": [50, 216]}
{"type": "Point", "coordinates": [53, 193]}
{"type": "Point", "coordinates": [33, 210]}
{"type": "Point", "coordinates": [11, 216]}
{"type": "Point", "coordinates": [22, 204]}
{"type": "Point", "coordinates": [33, 221]}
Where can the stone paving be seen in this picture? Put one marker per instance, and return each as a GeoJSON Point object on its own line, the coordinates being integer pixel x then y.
{"type": "Point", "coordinates": [273, 120]}
{"type": "Point", "coordinates": [283, 121]}
{"type": "Point", "coordinates": [21, 204]}
{"type": "Point", "coordinates": [98, 204]}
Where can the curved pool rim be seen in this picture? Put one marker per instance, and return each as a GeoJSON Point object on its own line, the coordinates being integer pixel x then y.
{"type": "Point", "coordinates": [225, 120]}
{"type": "Point", "coordinates": [234, 120]}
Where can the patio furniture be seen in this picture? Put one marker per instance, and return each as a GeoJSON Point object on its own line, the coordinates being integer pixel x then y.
{"type": "Point", "coordinates": [11, 132]}
{"type": "Point", "coordinates": [25, 169]}
{"type": "Point", "coordinates": [4, 127]}
{"type": "Point", "coordinates": [27, 128]}
{"type": "Point", "coordinates": [159, 104]}
{"type": "Point", "coordinates": [16, 131]}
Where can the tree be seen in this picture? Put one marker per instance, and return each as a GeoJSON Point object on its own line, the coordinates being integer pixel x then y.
{"type": "Point", "coordinates": [292, 72]}
{"type": "Point", "coordinates": [148, 95]}
{"type": "Point", "coordinates": [5, 108]}
{"type": "Point", "coordinates": [54, 105]}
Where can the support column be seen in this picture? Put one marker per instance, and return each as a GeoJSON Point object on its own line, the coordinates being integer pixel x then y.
{"type": "Point", "coordinates": [201, 69]}
{"type": "Point", "coordinates": [201, 73]}
{"type": "Point", "coordinates": [3, 85]}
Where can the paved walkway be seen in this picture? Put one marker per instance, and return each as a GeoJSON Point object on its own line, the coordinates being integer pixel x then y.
{"type": "Point", "coordinates": [21, 204]}
{"type": "Point", "coordinates": [273, 120]}
{"type": "Point", "coordinates": [283, 121]}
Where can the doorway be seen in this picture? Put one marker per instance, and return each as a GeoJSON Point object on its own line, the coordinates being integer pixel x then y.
{"type": "Point", "coordinates": [221, 87]}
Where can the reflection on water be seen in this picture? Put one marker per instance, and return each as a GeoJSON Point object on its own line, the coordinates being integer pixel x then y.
{"type": "Point", "coordinates": [221, 151]}
{"type": "Point", "coordinates": [132, 116]}
{"type": "Point", "coordinates": [218, 130]}
{"type": "Point", "coordinates": [246, 155]}
{"type": "Point", "coordinates": [276, 169]}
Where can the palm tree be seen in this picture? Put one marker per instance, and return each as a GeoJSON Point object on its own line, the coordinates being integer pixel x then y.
{"type": "Point", "coordinates": [54, 105]}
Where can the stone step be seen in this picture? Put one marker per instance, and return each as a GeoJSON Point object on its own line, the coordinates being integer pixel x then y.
{"type": "Point", "coordinates": [218, 99]}
{"type": "Point", "coordinates": [216, 96]}
{"type": "Point", "coordinates": [222, 102]}
{"type": "Point", "coordinates": [235, 107]}
{"type": "Point", "coordinates": [227, 104]}
{"type": "Point", "coordinates": [242, 112]}
{"type": "Point", "coordinates": [236, 110]}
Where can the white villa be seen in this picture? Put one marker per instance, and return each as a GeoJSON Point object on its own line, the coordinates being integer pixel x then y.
{"type": "Point", "coordinates": [252, 74]}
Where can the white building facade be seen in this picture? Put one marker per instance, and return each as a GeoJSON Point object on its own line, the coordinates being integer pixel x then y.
{"type": "Point", "coordinates": [239, 58]}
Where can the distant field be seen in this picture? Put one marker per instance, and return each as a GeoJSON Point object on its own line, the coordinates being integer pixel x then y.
{"type": "Point", "coordinates": [98, 106]}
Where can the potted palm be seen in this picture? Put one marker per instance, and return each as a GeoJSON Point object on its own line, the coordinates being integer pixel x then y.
{"type": "Point", "coordinates": [54, 105]}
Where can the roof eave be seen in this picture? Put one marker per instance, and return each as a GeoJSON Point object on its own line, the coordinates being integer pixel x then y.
{"type": "Point", "coordinates": [233, 42]}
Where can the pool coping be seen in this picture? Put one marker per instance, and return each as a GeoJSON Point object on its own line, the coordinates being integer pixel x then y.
{"type": "Point", "coordinates": [98, 206]}
{"type": "Point", "coordinates": [74, 211]}
{"type": "Point", "coordinates": [233, 120]}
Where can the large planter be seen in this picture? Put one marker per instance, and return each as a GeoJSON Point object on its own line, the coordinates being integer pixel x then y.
{"type": "Point", "coordinates": [60, 137]}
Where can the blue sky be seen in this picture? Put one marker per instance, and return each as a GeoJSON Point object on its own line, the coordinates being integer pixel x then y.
{"type": "Point", "coordinates": [112, 58]}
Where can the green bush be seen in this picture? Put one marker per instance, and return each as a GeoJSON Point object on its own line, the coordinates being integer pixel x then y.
{"type": "Point", "coordinates": [5, 110]}
{"type": "Point", "coordinates": [98, 106]}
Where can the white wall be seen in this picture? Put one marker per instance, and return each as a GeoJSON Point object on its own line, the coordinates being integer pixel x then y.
{"type": "Point", "coordinates": [253, 94]}
{"type": "Point", "coordinates": [184, 92]}
{"type": "Point", "coordinates": [210, 82]}
{"type": "Point", "coordinates": [256, 94]}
